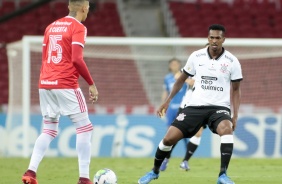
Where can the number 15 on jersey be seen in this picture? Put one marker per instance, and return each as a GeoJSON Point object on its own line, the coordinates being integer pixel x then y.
{"type": "Point", "coordinates": [54, 46]}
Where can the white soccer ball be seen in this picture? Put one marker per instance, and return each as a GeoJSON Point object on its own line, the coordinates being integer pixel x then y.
{"type": "Point", "coordinates": [105, 176]}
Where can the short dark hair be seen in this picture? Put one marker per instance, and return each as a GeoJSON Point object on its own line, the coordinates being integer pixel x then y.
{"type": "Point", "coordinates": [217, 27]}
{"type": "Point", "coordinates": [174, 59]}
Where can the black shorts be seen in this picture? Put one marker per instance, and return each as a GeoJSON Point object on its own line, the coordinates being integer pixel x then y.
{"type": "Point", "coordinates": [181, 109]}
{"type": "Point", "coordinates": [192, 118]}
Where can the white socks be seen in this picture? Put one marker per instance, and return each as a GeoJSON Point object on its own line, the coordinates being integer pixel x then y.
{"type": "Point", "coordinates": [164, 147]}
{"type": "Point", "coordinates": [195, 140]}
{"type": "Point", "coordinates": [40, 147]}
{"type": "Point", "coordinates": [226, 139]}
{"type": "Point", "coordinates": [83, 147]}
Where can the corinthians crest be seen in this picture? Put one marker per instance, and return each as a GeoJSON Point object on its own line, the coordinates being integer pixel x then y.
{"type": "Point", "coordinates": [181, 117]}
{"type": "Point", "coordinates": [224, 68]}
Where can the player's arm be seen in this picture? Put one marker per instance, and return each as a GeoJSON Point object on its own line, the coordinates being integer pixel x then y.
{"type": "Point", "coordinates": [236, 97]}
{"type": "Point", "coordinates": [165, 90]}
{"type": "Point", "coordinates": [176, 87]}
{"type": "Point", "coordinates": [236, 78]}
{"type": "Point", "coordinates": [190, 82]}
{"type": "Point", "coordinates": [164, 95]}
{"type": "Point", "coordinates": [80, 65]}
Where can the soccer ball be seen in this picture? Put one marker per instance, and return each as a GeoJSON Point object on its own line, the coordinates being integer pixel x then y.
{"type": "Point", "coordinates": [105, 176]}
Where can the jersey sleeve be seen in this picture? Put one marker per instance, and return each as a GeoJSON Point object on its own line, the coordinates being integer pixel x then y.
{"type": "Point", "coordinates": [44, 44]}
{"type": "Point", "coordinates": [79, 35]}
{"type": "Point", "coordinates": [189, 67]}
{"type": "Point", "coordinates": [236, 71]}
{"type": "Point", "coordinates": [165, 85]}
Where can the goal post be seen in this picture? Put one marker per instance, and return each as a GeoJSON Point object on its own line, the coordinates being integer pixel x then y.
{"type": "Point", "coordinates": [129, 73]}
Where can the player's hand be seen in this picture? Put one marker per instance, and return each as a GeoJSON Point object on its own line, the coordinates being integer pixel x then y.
{"type": "Point", "coordinates": [162, 110]}
{"type": "Point", "coordinates": [234, 122]}
{"type": "Point", "coordinates": [93, 93]}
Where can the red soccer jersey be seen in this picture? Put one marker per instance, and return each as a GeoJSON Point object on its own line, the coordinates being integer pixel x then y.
{"type": "Point", "coordinates": [58, 70]}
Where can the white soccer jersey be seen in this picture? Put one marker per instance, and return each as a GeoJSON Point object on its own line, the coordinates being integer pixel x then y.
{"type": "Point", "coordinates": [213, 77]}
{"type": "Point", "coordinates": [186, 98]}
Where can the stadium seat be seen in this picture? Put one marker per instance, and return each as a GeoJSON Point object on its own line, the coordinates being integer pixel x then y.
{"type": "Point", "coordinates": [7, 7]}
{"type": "Point", "coordinates": [104, 22]}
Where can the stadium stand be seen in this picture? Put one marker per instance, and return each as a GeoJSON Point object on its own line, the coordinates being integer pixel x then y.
{"type": "Point", "coordinates": [103, 22]}
{"type": "Point", "coordinates": [261, 19]}
{"type": "Point", "coordinates": [258, 88]}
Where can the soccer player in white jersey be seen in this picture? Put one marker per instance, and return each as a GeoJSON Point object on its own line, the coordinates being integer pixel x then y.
{"type": "Point", "coordinates": [215, 70]}
{"type": "Point", "coordinates": [194, 141]}
{"type": "Point", "coordinates": [59, 91]}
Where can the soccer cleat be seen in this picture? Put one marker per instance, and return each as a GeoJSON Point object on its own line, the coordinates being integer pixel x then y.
{"type": "Point", "coordinates": [224, 179]}
{"type": "Point", "coordinates": [29, 177]}
{"type": "Point", "coordinates": [164, 164]}
{"type": "Point", "coordinates": [84, 181]}
{"type": "Point", "coordinates": [148, 178]}
{"type": "Point", "coordinates": [184, 166]}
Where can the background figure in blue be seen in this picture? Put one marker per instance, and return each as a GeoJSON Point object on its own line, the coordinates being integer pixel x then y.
{"type": "Point", "coordinates": [173, 108]}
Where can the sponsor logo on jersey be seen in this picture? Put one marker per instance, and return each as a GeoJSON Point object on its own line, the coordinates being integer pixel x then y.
{"type": "Point", "coordinates": [209, 78]}
{"type": "Point", "coordinates": [189, 68]}
{"type": "Point", "coordinates": [212, 68]}
{"type": "Point", "coordinates": [47, 82]}
{"type": "Point", "coordinates": [222, 111]}
{"type": "Point", "coordinates": [181, 117]}
{"type": "Point", "coordinates": [212, 88]}
{"type": "Point", "coordinates": [62, 23]}
{"type": "Point", "coordinates": [229, 58]}
{"type": "Point", "coordinates": [207, 83]}
{"type": "Point", "coordinates": [201, 54]}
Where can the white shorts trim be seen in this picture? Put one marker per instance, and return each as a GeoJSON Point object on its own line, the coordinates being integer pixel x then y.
{"type": "Point", "coordinates": [56, 102]}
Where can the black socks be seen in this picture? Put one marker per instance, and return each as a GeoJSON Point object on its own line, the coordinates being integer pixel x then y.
{"type": "Point", "coordinates": [191, 148]}
{"type": "Point", "coordinates": [226, 150]}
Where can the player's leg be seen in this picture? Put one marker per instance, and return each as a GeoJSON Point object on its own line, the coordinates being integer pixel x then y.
{"type": "Point", "coordinates": [49, 108]}
{"type": "Point", "coordinates": [172, 136]}
{"type": "Point", "coordinates": [50, 130]}
{"type": "Point", "coordinates": [223, 127]}
{"type": "Point", "coordinates": [83, 143]}
{"type": "Point", "coordinates": [170, 116]}
{"type": "Point", "coordinates": [192, 146]}
{"type": "Point", "coordinates": [73, 105]}
{"type": "Point", "coordinates": [225, 131]}
{"type": "Point", "coordinates": [180, 128]}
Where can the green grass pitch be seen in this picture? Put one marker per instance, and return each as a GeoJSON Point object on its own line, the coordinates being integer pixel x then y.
{"type": "Point", "coordinates": [128, 170]}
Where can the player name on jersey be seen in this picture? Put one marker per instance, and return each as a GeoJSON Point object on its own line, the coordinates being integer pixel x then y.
{"type": "Point", "coordinates": [63, 27]}
{"type": "Point", "coordinates": [58, 29]}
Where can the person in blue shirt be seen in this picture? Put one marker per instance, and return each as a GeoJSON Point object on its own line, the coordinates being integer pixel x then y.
{"type": "Point", "coordinates": [173, 108]}
{"type": "Point", "coordinates": [169, 80]}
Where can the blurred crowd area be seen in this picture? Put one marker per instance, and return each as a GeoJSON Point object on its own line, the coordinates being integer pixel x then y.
{"type": "Point", "coordinates": [151, 18]}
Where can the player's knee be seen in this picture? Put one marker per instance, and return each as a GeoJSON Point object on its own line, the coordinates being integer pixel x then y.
{"type": "Point", "coordinates": [75, 118]}
{"type": "Point", "coordinates": [164, 147]}
{"type": "Point", "coordinates": [82, 123]}
{"type": "Point", "coordinates": [224, 128]}
{"type": "Point", "coordinates": [50, 126]}
{"type": "Point", "coordinates": [195, 140]}
{"type": "Point", "coordinates": [168, 141]}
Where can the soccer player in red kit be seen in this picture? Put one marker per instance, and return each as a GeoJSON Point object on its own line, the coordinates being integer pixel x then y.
{"type": "Point", "coordinates": [59, 92]}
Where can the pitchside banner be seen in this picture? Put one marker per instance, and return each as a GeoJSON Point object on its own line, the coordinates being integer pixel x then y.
{"type": "Point", "coordinates": [139, 135]}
